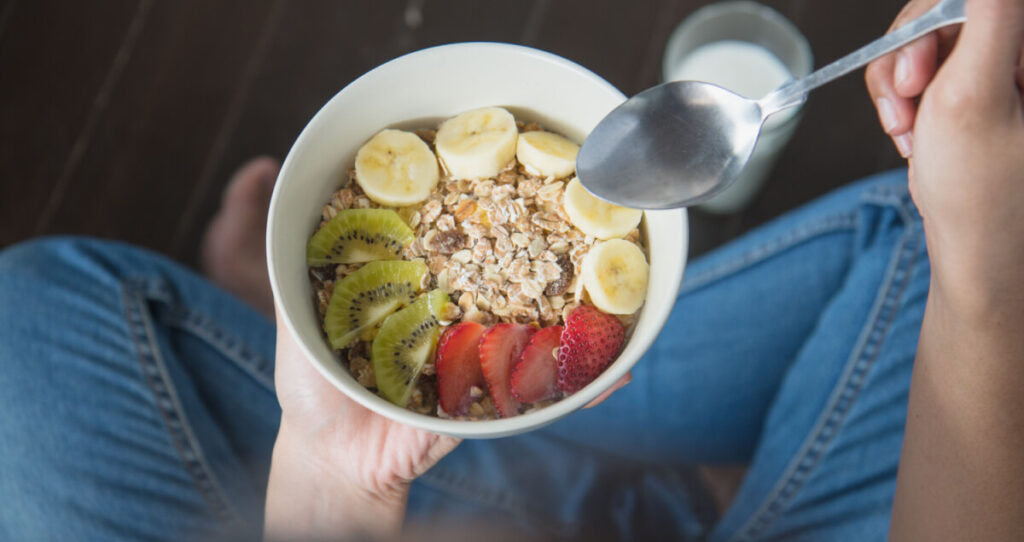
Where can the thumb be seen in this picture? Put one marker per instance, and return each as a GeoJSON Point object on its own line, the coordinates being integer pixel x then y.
{"type": "Point", "coordinates": [990, 44]}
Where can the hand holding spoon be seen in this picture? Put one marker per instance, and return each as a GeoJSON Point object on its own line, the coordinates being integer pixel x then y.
{"type": "Point", "coordinates": [682, 142]}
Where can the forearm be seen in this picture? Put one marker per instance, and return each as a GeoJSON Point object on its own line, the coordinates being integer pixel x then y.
{"type": "Point", "coordinates": [306, 500]}
{"type": "Point", "coordinates": [961, 473]}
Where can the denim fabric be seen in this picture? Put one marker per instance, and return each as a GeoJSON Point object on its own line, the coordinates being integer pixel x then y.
{"type": "Point", "coordinates": [136, 400]}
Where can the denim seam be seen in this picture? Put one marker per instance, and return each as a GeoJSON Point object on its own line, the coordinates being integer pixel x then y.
{"type": "Point", "coordinates": [890, 196]}
{"type": "Point", "coordinates": [232, 348]}
{"type": "Point", "coordinates": [168, 404]}
{"type": "Point", "coordinates": [835, 223]}
{"type": "Point", "coordinates": [206, 328]}
{"type": "Point", "coordinates": [846, 392]}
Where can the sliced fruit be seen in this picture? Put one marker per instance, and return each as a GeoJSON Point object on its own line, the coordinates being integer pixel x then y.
{"type": "Point", "coordinates": [546, 154]}
{"type": "Point", "coordinates": [396, 168]}
{"type": "Point", "coordinates": [594, 216]}
{"type": "Point", "coordinates": [590, 342]}
{"type": "Point", "coordinates": [477, 144]}
{"type": "Point", "coordinates": [615, 275]}
{"type": "Point", "coordinates": [500, 348]}
{"type": "Point", "coordinates": [366, 296]}
{"type": "Point", "coordinates": [535, 376]}
{"type": "Point", "coordinates": [359, 235]}
{"type": "Point", "coordinates": [458, 366]}
{"type": "Point", "coordinates": [405, 342]}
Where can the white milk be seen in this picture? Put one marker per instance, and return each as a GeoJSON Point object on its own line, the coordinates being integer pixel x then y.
{"type": "Point", "coordinates": [751, 71]}
{"type": "Point", "coordinates": [742, 67]}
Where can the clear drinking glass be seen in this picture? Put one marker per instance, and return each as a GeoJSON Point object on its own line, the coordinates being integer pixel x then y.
{"type": "Point", "coordinates": [750, 23]}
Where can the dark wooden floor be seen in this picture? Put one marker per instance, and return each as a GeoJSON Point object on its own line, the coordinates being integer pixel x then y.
{"type": "Point", "coordinates": [124, 118]}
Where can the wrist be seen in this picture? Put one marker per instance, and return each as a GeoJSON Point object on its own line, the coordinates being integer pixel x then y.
{"type": "Point", "coordinates": [976, 279]}
{"type": "Point", "coordinates": [310, 497]}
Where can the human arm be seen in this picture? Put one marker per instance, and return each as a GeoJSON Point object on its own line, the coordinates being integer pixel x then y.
{"type": "Point", "coordinates": [961, 472]}
{"type": "Point", "coordinates": [339, 471]}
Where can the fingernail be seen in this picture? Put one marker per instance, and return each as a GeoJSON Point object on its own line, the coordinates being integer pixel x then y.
{"type": "Point", "coordinates": [904, 144]}
{"type": "Point", "coordinates": [887, 113]}
{"type": "Point", "coordinates": [902, 69]}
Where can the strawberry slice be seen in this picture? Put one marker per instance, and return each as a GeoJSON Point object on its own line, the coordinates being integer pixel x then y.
{"type": "Point", "coordinates": [500, 348]}
{"type": "Point", "coordinates": [590, 342]}
{"type": "Point", "coordinates": [458, 366]}
{"type": "Point", "coordinates": [535, 377]}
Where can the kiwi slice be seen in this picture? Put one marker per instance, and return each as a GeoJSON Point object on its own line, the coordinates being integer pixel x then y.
{"type": "Point", "coordinates": [405, 342]}
{"type": "Point", "coordinates": [359, 235]}
{"type": "Point", "coordinates": [364, 297]}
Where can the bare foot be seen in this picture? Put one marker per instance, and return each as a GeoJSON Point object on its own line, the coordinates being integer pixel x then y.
{"type": "Point", "coordinates": [233, 253]}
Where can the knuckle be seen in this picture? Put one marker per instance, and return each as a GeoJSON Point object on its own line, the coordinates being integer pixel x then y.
{"type": "Point", "coordinates": [874, 75]}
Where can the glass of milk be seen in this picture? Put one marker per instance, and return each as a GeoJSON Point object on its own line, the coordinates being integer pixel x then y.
{"type": "Point", "coordinates": [750, 49]}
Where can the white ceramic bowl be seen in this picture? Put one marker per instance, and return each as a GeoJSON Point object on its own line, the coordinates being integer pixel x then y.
{"type": "Point", "coordinates": [427, 86]}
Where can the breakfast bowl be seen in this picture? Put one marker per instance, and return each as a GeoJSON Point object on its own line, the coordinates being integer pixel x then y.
{"type": "Point", "coordinates": [420, 89]}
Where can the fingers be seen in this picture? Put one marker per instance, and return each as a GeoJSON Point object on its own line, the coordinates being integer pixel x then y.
{"type": "Point", "coordinates": [895, 112]}
{"type": "Point", "coordinates": [608, 393]}
{"type": "Point", "coordinates": [898, 79]}
{"type": "Point", "coordinates": [915, 66]}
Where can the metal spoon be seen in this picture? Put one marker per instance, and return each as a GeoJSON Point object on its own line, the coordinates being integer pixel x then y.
{"type": "Point", "coordinates": [682, 142]}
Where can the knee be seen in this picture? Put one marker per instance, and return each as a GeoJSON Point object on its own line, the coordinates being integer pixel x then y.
{"type": "Point", "coordinates": [44, 261]}
{"type": "Point", "coordinates": [52, 276]}
{"type": "Point", "coordinates": [56, 295]}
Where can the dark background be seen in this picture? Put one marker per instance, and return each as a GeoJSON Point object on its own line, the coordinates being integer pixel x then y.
{"type": "Point", "coordinates": [125, 118]}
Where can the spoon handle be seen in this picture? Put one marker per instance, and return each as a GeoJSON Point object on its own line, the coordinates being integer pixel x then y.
{"type": "Point", "coordinates": [795, 92]}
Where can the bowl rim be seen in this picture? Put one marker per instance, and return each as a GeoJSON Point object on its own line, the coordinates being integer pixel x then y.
{"type": "Point", "coordinates": [461, 428]}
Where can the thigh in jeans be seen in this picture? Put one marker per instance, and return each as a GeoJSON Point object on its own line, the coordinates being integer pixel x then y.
{"type": "Point", "coordinates": [825, 466]}
{"type": "Point", "coordinates": [136, 399]}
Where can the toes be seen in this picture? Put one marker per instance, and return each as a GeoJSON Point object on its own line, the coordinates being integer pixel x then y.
{"type": "Point", "coordinates": [253, 183]}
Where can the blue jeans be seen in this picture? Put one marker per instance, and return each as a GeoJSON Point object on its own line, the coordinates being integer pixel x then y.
{"type": "Point", "coordinates": [137, 400]}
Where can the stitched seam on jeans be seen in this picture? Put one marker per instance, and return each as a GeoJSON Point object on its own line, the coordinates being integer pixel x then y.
{"type": "Point", "coordinates": [227, 345]}
{"type": "Point", "coordinates": [901, 202]}
{"type": "Point", "coordinates": [206, 328]}
{"type": "Point", "coordinates": [897, 197]}
{"type": "Point", "coordinates": [851, 383]}
{"type": "Point", "coordinates": [445, 481]}
{"type": "Point", "coordinates": [846, 221]}
{"type": "Point", "coordinates": [168, 404]}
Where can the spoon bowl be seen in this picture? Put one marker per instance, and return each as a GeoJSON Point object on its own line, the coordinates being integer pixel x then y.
{"type": "Point", "coordinates": [686, 141]}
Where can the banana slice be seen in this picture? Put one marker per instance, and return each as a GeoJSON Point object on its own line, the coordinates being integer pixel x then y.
{"type": "Point", "coordinates": [396, 168]}
{"type": "Point", "coordinates": [594, 216]}
{"type": "Point", "coordinates": [615, 276]}
{"type": "Point", "coordinates": [477, 144]}
{"type": "Point", "coordinates": [546, 154]}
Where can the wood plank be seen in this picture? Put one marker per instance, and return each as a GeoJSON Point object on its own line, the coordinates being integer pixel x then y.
{"type": "Point", "coordinates": [6, 10]}
{"type": "Point", "coordinates": [318, 49]}
{"type": "Point", "coordinates": [147, 152]}
{"type": "Point", "coordinates": [609, 37]}
{"type": "Point", "coordinates": [54, 60]}
{"type": "Point", "coordinates": [450, 21]}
